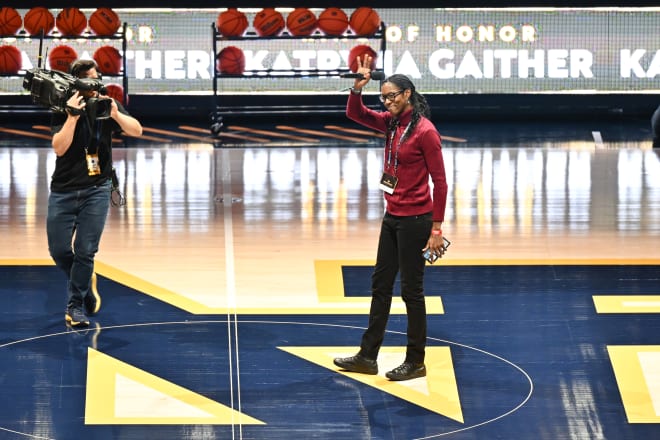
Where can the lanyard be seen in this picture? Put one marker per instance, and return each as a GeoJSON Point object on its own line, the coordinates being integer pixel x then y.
{"type": "Point", "coordinates": [398, 146]}
{"type": "Point", "coordinates": [93, 133]}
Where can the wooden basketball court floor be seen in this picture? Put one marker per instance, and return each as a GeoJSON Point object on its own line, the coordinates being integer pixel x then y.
{"type": "Point", "coordinates": [238, 270]}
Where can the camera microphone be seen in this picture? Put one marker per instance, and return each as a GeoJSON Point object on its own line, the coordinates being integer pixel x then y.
{"type": "Point", "coordinates": [376, 75]}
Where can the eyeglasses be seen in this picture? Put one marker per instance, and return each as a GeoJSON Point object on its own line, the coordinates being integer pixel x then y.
{"type": "Point", "coordinates": [390, 96]}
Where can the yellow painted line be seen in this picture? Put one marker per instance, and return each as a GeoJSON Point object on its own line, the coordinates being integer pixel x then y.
{"type": "Point", "coordinates": [637, 387]}
{"type": "Point", "coordinates": [320, 133]}
{"type": "Point", "coordinates": [330, 288]}
{"type": "Point", "coordinates": [25, 133]}
{"type": "Point", "coordinates": [627, 303]}
{"type": "Point", "coordinates": [337, 305]}
{"type": "Point", "coordinates": [331, 297]}
{"type": "Point", "coordinates": [118, 393]}
{"type": "Point", "coordinates": [226, 134]}
{"type": "Point", "coordinates": [273, 134]}
{"type": "Point", "coordinates": [26, 262]}
{"type": "Point", "coordinates": [437, 392]}
{"type": "Point", "coordinates": [449, 261]}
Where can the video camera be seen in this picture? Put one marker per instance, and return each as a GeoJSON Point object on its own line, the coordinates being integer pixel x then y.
{"type": "Point", "coordinates": [52, 89]}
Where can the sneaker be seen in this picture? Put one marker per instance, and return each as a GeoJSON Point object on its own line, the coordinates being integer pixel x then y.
{"type": "Point", "coordinates": [357, 364]}
{"type": "Point", "coordinates": [407, 371]}
{"type": "Point", "coordinates": [75, 317]}
{"type": "Point", "coordinates": [92, 299]}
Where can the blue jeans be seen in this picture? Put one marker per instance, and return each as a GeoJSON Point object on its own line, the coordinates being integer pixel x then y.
{"type": "Point", "coordinates": [399, 252]}
{"type": "Point", "coordinates": [77, 217]}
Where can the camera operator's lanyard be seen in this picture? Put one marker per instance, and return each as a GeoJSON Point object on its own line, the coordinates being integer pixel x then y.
{"type": "Point", "coordinates": [388, 181]}
{"type": "Point", "coordinates": [93, 164]}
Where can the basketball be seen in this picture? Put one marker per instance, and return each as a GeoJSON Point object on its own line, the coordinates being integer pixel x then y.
{"type": "Point", "coordinates": [115, 91]}
{"type": "Point", "coordinates": [364, 21]}
{"type": "Point", "coordinates": [104, 22]}
{"type": "Point", "coordinates": [231, 61]}
{"type": "Point", "coordinates": [301, 21]}
{"type": "Point", "coordinates": [333, 21]}
{"type": "Point", "coordinates": [231, 23]}
{"type": "Point", "coordinates": [360, 51]}
{"type": "Point", "coordinates": [268, 22]}
{"type": "Point", "coordinates": [71, 22]}
{"type": "Point", "coordinates": [38, 19]}
{"type": "Point", "coordinates": [10, 21]}
{"type": "Point", "coordinates": [108, 60]}
{"type": "Point", "coordinates": [10, 60]}
{"type": "Point", "coordinates": [61, 57]}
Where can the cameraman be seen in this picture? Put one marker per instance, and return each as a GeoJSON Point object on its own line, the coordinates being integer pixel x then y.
{"type": "Point", "coordinates": [80, 190]}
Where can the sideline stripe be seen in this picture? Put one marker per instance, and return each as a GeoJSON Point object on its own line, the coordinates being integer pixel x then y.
{"type": "Point", "coordinates": [355, 131]}
{"type": "Point", "coordinates": [274, 134]}
{"type": "Point", "coordinates": [225, 134]}
{"type": "Point", "coordinates": [321, 133]}
{"type": "Point", "coordinates": [25, 133]}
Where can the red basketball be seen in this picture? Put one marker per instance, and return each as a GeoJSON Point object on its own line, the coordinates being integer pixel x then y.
{"type": "Point", "coordinates": [360, 51]}
{"type": "Point", "coordinates": [61, 57]}
{"type": "Point", "coordinates": [71, 22]}
{"type": "Point", "coordinates": [115, 91]}
{"type": "Point", "coordinates": [108, 60]}
{"type": "Point", "coordinates": [301, 21]}
{"type": "Point", "coordinates": [333, 21]}
{"type": "Point", "coordinates": [104, 22]}
{"type": "Point", "coordinates": [38, 19]}
{"type": "Point", "coordinates": [10, 21]}
{"type": "Point", "coordinates": [268, 22]}
{"type": "Point", "coordinates": [231, 61]}
{"type": "Point", "coordinates": [364, 21]}
{"type": "Point", "coordinates": [10, 60]}
{"type": "Point", "coordinates": [232, 23]}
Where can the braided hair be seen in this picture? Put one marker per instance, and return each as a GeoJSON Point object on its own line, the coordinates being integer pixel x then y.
{"type": "Point", "coordinates": [420, 106]}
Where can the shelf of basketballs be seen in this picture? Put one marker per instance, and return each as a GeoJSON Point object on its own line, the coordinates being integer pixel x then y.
{"type": "Point", "coordinates": [232, 28]}
{"type": "Point", "coordinates": [333, 24]}
{"type": "Point", "coordinates": [70, 24]}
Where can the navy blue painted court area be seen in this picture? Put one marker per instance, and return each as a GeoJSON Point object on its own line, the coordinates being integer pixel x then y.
{"type": "Point", "coordinates": [528, 353]}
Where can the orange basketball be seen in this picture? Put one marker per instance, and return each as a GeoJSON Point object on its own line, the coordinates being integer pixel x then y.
{"type": "Point", "coordinates": [268, 22]}
{"type": "Point", "coordinates": [10, 60]}
{"type": "Point", "coordinates": [232, 23]}
{"type": "Point", "coordinates": [301, 21]}
{"type": "Point", "coordinates": [333, 21]}
{"type": "Point", "coordinates": [61, 57]}
{"type": "Point", "coordinates": [10, 21]}
{"type": "Point", "coordinates": [364, 21]}
{"type": "Point", "coordinates": [108, 60]}
{"type": "Point", "coordinates": [71, 22]}
{"type": "Point", "coordinates": [115, 91]}
{"type": "Point", "coordinates": [231, 61]}
{"type": "Point", "coordinates": [38, 19]}
{"type": "Point", "coordinates": [104, 22]}
{"type": "Point", "coordinates": [360, 51]}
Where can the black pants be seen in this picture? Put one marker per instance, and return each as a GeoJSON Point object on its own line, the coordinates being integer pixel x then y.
{"type": "Point", "coordinates": [399, 251]}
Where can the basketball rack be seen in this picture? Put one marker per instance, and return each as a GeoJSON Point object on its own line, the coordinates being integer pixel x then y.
{"type": "Point", "coordinates": [56, 35]}
{"type": "Point", "coordinates": [219, 111]}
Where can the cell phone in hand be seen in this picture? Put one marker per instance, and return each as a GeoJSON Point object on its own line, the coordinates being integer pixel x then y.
{"type": "Point", "coordinates": [431, 257]}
